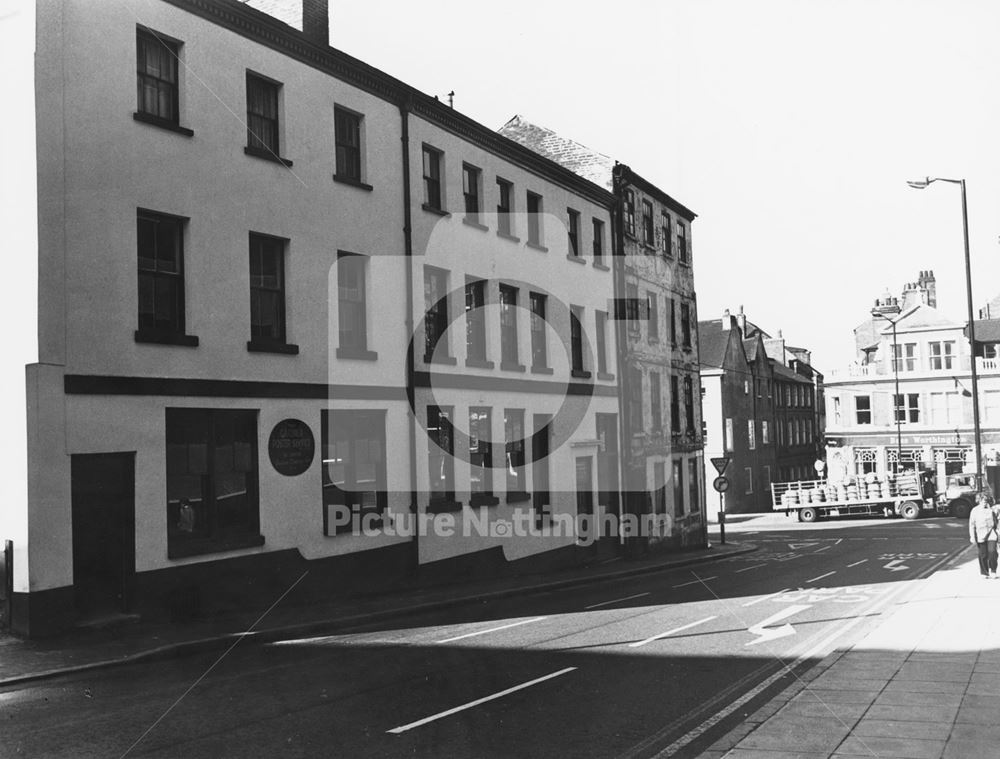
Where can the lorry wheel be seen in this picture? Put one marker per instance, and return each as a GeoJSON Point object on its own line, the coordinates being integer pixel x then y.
{"type": "Point", "coordinates": [910, 510]}
{"type": "Point", "coordinates": [808, 514]}
{"type": "Point", "coordinates": [960, 509]}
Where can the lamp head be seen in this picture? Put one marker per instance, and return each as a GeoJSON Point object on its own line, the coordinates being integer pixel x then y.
{"type": "Point", "coordinates": [919, 184]}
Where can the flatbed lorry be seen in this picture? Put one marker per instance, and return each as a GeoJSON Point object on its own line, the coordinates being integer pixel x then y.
{"type": "Point", "coordinates": [889, 495]}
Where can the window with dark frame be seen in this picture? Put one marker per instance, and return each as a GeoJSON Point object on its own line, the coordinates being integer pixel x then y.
{"type": "Point", "coordinates": [693, 479]}
{"type": "Point", "coordinates": [576, 339]}
{"type": "Point", "coordinates": [863, 409]}
{"type": "Point", "coordinates": [156, 76]}
{"type": "Point", "coordinates": [598, 241]}
{"type": "Point", "coordinates": [688, 406]}
{"type": "Point", "coordinates": [436, 318]}
{"type": "Point", "coordinates": [632, 306]}
{"type": "Point", "coordinates": [600, 328]}
{"type": "Point", "coordinates": [347, 135]}
{"type": "Point", "coordinates": [678, 466]}
{"type": "Point", "coordinates": [267, 288]}
{"type": "Point", "coordinates": [470, 190]}
{"type": "Point", "coordinates": [629, 213]}
{"type": "Point", "coordinates": [673, 322]}
{"type": "Point", "coordinates": [161, 273]}
{"type": "Point", "coordinates": [648, 236]}
{"type": "Point", "coordinates": [675, 405]}
{"type": "Point", "coordinates": [660, 487]}
{"type": "Point", "coordinates": [655, 401]}
{"type": "Point", "coordinates": [540, 447]}
{"type": "Point", "coordinates": [262, 114]}
{"type": "Point", "coordinates": [475, 320]}
{"type": "Point", "coordinates": [440, 454]}
{"type": "Point", "coordinates": [504, 208]}
{"type": "Point", "coordinates": [352, 309]}
{"type": "Point", "coordinates": [907, 407]}
{"type": "Point", "coordinates": [353, 468]}
{"type": "Point", "coordinates": [480, 453]}
{"type": "Point", "coordinates": [539, 343]}
{"type": "Point", "coordinates": [212, 481]}
{"type": "Point", "coordinates": [635, 400]}
{"type": "Point", "coordinates": [573, 231]}
{"type": "Point", "coordinates": [686, 325]}
{"type": "Point", "coordinates": [513, 423]}
{"type": "Point", "coordinates": [432, 178]}
{"type": "Point", "coordinates": [508, 325]}
{"type": "Point", "coordinates": [682, 247]}
{"type": "Point", "coordinates": [534, 207]}
{"type": "Point", "coordinates": [654, 316]}
{"type": "Point", "coordinates": [666, 241]}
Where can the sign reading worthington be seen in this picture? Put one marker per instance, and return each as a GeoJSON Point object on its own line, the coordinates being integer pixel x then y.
{"type": "Point", "coordinates": [291, 447]}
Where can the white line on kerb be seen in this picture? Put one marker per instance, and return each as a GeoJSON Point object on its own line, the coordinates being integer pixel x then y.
{"type": "Point", "coordinates": [478, 701]}
{"type": "Point", "coordinates": [492, 629]}
{"type": "Point", "coordinates": [671, 632]}
{"type": "Point", "coordinates": [747, 569]}
{"type": "Point", "coordinates": [822, 576]}
{"type": "Point", "coordinates": [617, 600]}
{"type": "Point", "coordinates": [695, 582]}
{"type": "Point", "coordinates": [857, 562]}
{"type": "Point", "coordinates": [765, 598]}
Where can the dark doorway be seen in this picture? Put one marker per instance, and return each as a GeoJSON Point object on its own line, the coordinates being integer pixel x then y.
{"type": "Point", "coordinates": [103, 503]}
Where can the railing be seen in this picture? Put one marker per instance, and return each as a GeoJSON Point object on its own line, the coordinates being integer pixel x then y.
{"type": "Point", "coordinates": [959, 365]}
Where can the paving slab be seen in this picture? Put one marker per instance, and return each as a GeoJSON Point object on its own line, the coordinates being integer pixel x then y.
{"type": "Point", "coordinates": [802, 734]}
{"type": "Point", "coordinates": [914, 713]}
{"type": "Point", "coordinates": [882, 728]}
{"type": "Point", "coordinates": [917, 698]}
{"type": "Point", "coordinates": [908, 748]}
{"type": "Point", "coordinates": [926, 686]}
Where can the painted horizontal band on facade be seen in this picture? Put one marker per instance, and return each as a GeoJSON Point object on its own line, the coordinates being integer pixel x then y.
{"type": "Point", "coordinates": [511, 385]}
{"type": "Point", "coordinates": [92, 384]}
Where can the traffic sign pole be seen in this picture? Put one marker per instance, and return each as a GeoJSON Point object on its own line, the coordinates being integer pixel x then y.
{"type": "Point", "coordinates": [722, 518]}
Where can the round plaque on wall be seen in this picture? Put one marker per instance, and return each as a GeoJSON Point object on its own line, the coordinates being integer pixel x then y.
{"type": "Point", "coordinates": [291, 447]}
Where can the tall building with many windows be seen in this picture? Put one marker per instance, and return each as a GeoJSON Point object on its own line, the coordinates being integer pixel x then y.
{"type": "Point", "coordinates": [657, 336]}
{"type": "Point", "coordinates": [282, 295]}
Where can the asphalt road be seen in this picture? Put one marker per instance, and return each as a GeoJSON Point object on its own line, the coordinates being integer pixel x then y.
{"type": "Point", "coordinates": [659, 664]}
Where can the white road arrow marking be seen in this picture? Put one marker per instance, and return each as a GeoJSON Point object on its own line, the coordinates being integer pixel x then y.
{"type": "Point", "coordinates": [890, 566]}
{"type": "Point", "coordinates": [932, 526]}
{"type": "Point", "coordinates": [764, 633]}
{"type": "Point", "coordinates": [797, 546]}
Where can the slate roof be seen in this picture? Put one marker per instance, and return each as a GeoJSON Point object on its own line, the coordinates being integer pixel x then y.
{"type": "Point", "coordinates": [782, 371]}
{"type": "Point", "coordinates": [987, 330]}
{"type": "Point", "coordinates": [578, 158]}
{"type": "Point", "coordinates": [750, 348]}
{"type": "Point", "coordinates": [712, 342]}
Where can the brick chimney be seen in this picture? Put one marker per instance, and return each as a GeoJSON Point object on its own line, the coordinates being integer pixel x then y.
{"type": "Point", "coordinates": [311, 17]}
{"type": "Point", "coordinates": [741, 322]}
{"type": "Point", "coordinates": [929, 286]}
{"type": "Point", "coordinates": [316, 21]}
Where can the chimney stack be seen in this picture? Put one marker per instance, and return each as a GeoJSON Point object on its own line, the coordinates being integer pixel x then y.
{"type": "Point", "coordinates": [727, 319]}
{"type": "Point", "coordinates": [929, 285]}
{"type": "Point", "coordinates": [316, 21]}
{"type": "Point", "coordinates": [741, 322]}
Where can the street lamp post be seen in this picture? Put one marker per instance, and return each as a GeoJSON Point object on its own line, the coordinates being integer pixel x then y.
{"type": "Point", "coordinates": [921, 184]}
{"type": "Point", "coordinates": [896, 400]}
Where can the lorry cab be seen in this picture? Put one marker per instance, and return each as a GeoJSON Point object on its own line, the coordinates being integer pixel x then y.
{"type": "Point", "coordinates": [961, 491]}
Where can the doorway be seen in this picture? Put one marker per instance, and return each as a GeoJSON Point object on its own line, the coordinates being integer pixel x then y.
{"type": "Point", "coordinates": [103, 506]}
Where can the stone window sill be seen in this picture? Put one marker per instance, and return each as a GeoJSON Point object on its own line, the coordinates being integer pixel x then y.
{"type": "Point", "coordinates": [166, 338]}
{"type": "Point", "coordinates": [352, 182]}
{"type": "Point", "coordinates": [267, 156]}
{"type": "Point", "coordinates": [156, 121]}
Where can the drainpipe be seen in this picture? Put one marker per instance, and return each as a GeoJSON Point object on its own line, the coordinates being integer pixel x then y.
{"type": "Point", "coordinates": [621, 349]}
{"type": "Point", "coordinates": [404, 119]}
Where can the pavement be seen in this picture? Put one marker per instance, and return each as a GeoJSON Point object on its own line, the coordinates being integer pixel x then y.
{"type": "Point", "coordinates": [923, 684]}
{"type": "Point", "coordinates": [128, 642]}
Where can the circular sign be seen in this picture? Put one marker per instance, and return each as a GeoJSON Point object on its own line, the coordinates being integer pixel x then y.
{"type": "Point", "coordinates": [721, 484]}
{"type": "Point", "coordinates": [291, 447]}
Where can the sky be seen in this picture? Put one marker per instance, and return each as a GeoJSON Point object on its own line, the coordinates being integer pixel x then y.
{"type": "Point", "coordinates": [790, 128]}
